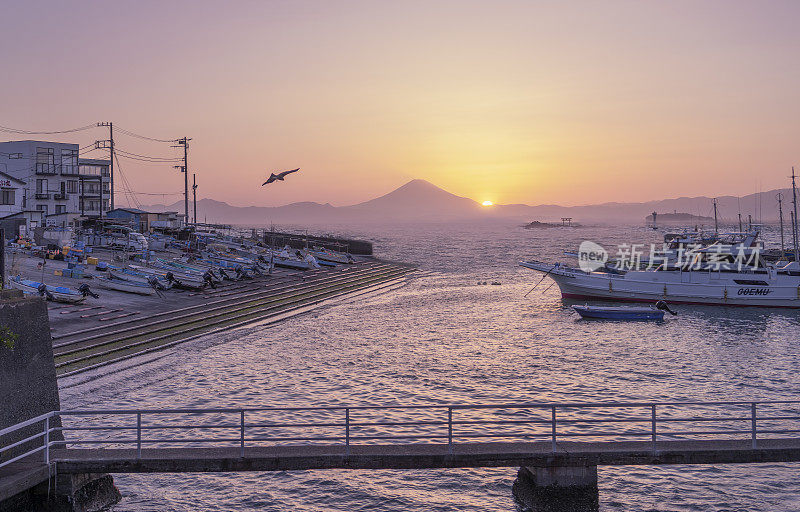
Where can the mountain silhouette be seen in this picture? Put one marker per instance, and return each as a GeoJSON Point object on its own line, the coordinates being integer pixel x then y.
{"type": "Point", "coordinates": [422, 201]}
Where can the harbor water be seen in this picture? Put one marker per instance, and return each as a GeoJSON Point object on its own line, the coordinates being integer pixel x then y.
{"type": "Point", "coordinates": [446, 338]}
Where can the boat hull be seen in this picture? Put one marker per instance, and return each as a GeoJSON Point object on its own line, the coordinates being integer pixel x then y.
{"type": "Point", "coordinates": [697, 288]}
{"type": "Point", "coordinates": [619, 313]}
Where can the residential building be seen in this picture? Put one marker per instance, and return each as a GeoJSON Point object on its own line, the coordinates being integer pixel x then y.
{"type": "Point", "coordinates": [56, 180]}
{"type": "Point", "coordinates": [11, 194]}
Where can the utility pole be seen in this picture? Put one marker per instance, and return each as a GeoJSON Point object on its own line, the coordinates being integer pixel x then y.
{"type": "Point", "coordinates": [185, 170]}
{"type": "Point", "coordinates": [2, 258]}
{"type": "Point", "coordinates": [794, 221]}
{"type": "Point", "coordinates": [110, 169]}
{"type": "Point", "coordinates": [780, 217]}
{"type": "Point", "coordinates": [194, 196]}
{"type": "Point", "coordinates": [716, 224]}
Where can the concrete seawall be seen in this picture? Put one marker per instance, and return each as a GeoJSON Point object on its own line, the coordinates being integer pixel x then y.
{"type": "Point", "coordinates": [27, 374]}
{"type": "Point", "coordinates": [28, 389]}
{"type": "Point", "coordinates": [298, 241]}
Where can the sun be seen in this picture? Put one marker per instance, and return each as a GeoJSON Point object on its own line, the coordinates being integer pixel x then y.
{"type": "Point", "coordinates": [487, 203]}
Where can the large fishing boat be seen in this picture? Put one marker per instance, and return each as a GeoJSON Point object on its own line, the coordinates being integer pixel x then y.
{"type": "Point", "coordinates": [720, 275]}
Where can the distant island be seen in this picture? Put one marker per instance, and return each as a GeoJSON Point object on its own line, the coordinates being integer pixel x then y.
{"type": "Point", "coordinates": [565, 223]}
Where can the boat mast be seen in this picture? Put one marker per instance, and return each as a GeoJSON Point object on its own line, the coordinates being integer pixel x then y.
{"type": "Point", "coordinates": [716, 224]}
{"type": "Point", "coordinates": [780, 217]}
{"type": "Point", "coordinates": [794, 222]}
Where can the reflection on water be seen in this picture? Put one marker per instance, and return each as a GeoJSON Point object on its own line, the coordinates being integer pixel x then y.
{"type": "Point", "coordinates": [446, 338]}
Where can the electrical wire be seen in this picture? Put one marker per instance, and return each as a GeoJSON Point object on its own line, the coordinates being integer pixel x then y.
{"type": "Point", "coordinates": [33, 132]}
{"type": "Point", "coordinates": [144, 137]}
{"type": "Point", "coordinates": [146, 158]}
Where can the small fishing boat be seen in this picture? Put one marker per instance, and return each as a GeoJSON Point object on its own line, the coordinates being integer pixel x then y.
{"type": "Point", "coordinates": [322, 254]}
{"type": "Point", "coordinates": [624, 312]}
{"type": "Point", "coordinates": [139, 277]}
{"type": "Point", "coordinates": [125, 286]}
{"type": "Point", "coordinates": [54, 293]}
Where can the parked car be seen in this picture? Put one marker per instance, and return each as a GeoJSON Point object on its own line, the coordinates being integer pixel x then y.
{"type": "Point", "coordinates": [132, 242]}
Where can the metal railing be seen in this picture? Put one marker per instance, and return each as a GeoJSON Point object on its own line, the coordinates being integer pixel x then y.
{"type": "Point", "coordinates": [450, 424]}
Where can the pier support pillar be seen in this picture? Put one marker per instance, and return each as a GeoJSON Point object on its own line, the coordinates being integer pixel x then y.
{"type": "Point", "coordinates": [557, 489]}
{"type": "Point", "coordinates": [66, 493]}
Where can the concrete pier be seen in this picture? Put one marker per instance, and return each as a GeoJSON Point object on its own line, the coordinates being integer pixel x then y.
{"type": "Point", "coordinates": [557, 489]}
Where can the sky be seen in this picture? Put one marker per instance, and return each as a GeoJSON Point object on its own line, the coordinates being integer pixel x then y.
{"type": "Point", "coordinates": [507, 101]}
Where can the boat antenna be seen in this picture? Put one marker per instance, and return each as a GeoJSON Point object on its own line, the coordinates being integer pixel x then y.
{"type": "Point", "coordinates": [794, 223]}
{"type": "Point", "coordinates": [716, 225]}
{"type": "Point", "coordinates": [739, 206]}
{"type": "Point", "coordinates": [780, 218]}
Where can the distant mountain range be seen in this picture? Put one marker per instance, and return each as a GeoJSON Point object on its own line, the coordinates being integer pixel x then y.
{"type": "Point", "coordinates": [421, 201]}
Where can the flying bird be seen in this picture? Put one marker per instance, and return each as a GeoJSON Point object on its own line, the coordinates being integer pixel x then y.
{"type": "Point", "coordinates": [279, 176]}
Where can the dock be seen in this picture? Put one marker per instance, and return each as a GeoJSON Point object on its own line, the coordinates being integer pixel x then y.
{"type": "Point", "coordinates": [569, 440]}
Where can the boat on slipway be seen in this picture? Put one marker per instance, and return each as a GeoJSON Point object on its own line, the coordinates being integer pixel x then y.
{"type": "Point", "coordinates": [54, 293]}
{"type": "Point", "coordinates": [703, 280]}
{"type": "Point", "coordinates": [120, 285]}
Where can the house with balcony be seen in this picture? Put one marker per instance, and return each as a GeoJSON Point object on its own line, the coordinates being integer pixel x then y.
{"type": "Point", "coordinates": [56, 180]}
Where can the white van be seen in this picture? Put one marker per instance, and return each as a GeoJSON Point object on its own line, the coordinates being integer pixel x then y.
{"type": "Point", "coordinates": [132, 242]}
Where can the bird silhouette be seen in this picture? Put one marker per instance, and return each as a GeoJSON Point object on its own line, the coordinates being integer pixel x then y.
{"type": "Point", "coordinates": [278, 177]}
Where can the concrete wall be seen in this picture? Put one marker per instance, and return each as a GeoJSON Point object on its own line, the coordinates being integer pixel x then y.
{"type": "Point", "coordinates": [28, 385]}
{"type": "Point", "coordinates": [298, 241]}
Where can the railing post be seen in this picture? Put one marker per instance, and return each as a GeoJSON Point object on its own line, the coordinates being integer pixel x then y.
{"type": "Point", "coordinates": [138, 435]}
{"type": "Point", "coordinates": [47, 440]}
{"type": "Point", "coordinates": [753, 423]}
{"type": "Point", "coordinates": [347, 429]}
{"type": "Point", "coordinates": [653, 426]}
{"type": "Point", "coordinates": [450, 429]}
{"type": "Point", "coordinates": [241, 433]}
{"type": "Point", "coordinates": [553, 426]}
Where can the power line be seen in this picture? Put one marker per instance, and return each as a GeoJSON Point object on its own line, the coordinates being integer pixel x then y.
{"type": "Point", "coordinates": [136, 156]}
{"type": "Point", "coordinates": [144, 137]}
{"type": "Point", "coordinates": [33, 132]}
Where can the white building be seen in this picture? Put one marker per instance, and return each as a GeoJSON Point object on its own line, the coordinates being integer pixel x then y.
{"type": "Point", "coordinates": [56, 180]}
{"type": "Point", "coordinates": [11, 194]}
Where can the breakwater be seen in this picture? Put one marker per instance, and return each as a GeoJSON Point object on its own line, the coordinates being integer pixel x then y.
{"type": "Point", "coordinates": [299, 240]}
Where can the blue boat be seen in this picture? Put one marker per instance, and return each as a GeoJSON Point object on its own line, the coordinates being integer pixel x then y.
{"type": "Point", "coordinates": [624, 312]}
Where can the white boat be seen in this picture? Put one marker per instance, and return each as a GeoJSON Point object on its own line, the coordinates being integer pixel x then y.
{"type": "Point", "coordinates": [762, 285]}
{"type": "Point", "coordinates": [178, 279]}
{"type": "Point", "coordinates": [286, 258]}
{"type": "Point", "coordinates": [125, 286]}
{"type": "Point", "coordinates": [54, 293]}
{"type": "Point", "coordinates": [139, 277]}
{"type": "Point", "coordinates": [323, 254]}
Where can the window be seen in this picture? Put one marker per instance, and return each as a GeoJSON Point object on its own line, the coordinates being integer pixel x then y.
{"type": "Point", "coordinates": [41, 186]}
{"type": "Point", "coordinates": [7, 196]}
{"type": "Point", "coordinates": [90, 170]}
{"type": "Point", "coordinates": [61, 208]}
{"type": "Point", "coordinates": [42, 208]}
{"type": "Point", "coordinates": [69, 156]}
{"type": "Point", "coordinates": [72, 187]}
{"type": "Point", "coordinates": [45, 156]}
{"type": "Point", "coordinates": [69, 161]}
{"type": "Point", "coordinates": [105, 204]}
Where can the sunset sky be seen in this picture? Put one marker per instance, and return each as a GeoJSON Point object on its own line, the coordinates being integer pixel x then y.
{"type": "Point", "coordinates": [511, 102]}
